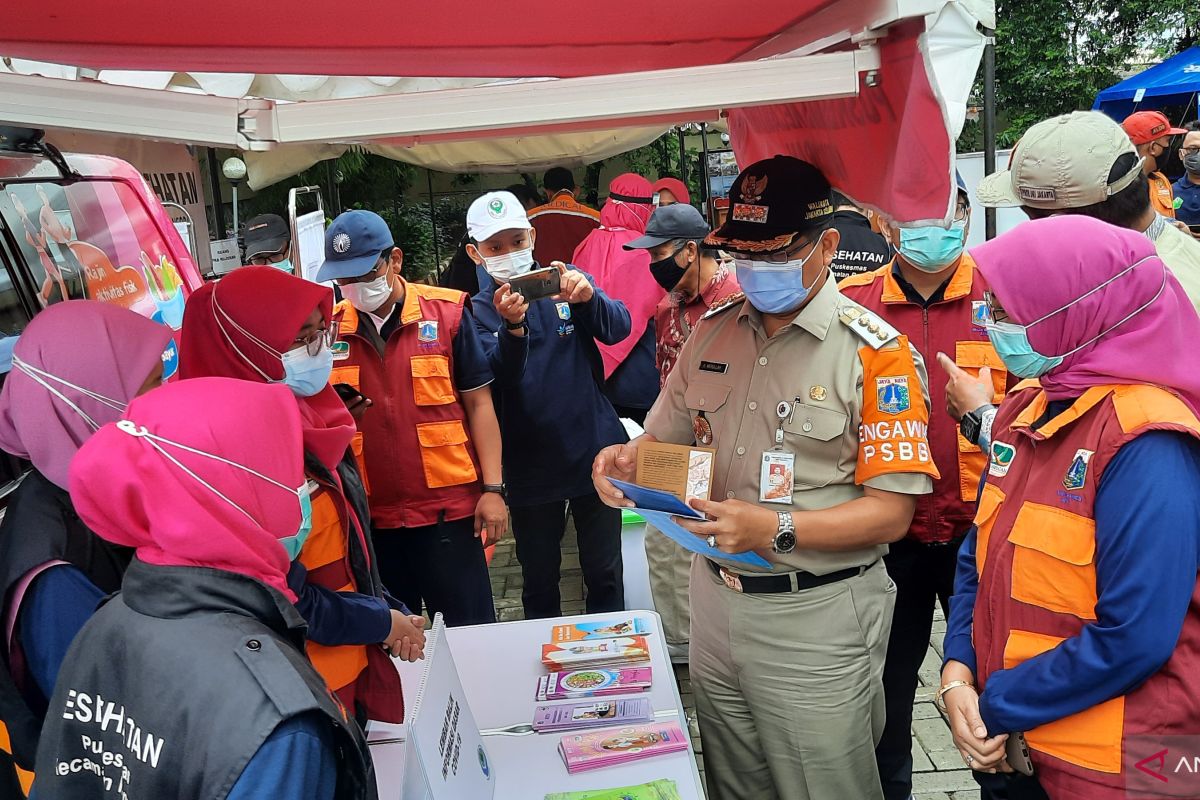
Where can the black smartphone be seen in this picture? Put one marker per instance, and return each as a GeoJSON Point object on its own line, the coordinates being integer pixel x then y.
{"type": "Point", "coordinates": [1194, 228]}
{"type": "Point", "coordinates": [538, 284]}
{"type": "Point", "coordinates": [1016, 752]}
{"type": "Point", "coordinates": [348, 393]}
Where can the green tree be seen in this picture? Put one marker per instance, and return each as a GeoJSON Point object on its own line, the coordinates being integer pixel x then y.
{"type": "Point", "coordinates": [1055, 56]}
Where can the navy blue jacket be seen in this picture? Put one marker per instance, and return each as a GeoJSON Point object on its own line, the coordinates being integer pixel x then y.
{"type": "Point", "coordinates": [554, 416]}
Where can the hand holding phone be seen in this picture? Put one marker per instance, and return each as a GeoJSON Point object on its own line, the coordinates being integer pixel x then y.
{"type": "Point", "coordinates": [356, 402]}
{"type": "Point", "coordinates": [537, 284]}
{"type": "Point", "coordinates": [1016, 753]}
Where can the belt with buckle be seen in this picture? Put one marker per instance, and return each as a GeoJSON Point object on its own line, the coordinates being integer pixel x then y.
{"type": "Point", "coordinates": [789, 582]}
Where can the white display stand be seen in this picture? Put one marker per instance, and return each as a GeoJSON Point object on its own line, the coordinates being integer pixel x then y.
{"type": "Point", "coordinates": [499, 666]}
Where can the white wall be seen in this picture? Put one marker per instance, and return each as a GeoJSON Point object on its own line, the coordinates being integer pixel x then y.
{"type": "Point", "coordinates": [970, 165]}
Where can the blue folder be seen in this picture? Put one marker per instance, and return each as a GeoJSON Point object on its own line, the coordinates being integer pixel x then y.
{"type": "Point", "coordinates": [657, 507]}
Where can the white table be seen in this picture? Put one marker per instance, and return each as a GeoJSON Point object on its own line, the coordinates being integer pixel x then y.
{"type": "Point", "coordinates": [499, 666]}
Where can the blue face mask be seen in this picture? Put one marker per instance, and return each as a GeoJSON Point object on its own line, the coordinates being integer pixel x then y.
{"type": "Point", "coordinates": [776, 288]}
{"type": "Point", "coordinates": [932, 248]}
{"type": "Point", "coordinates": [1012, 340]}
{"type": "Point", "coordinates": [293, 544]}
{"type": "Point", "coordinates": [304, 374]}
{"type": "Point", "coordinates": [1012, 345]}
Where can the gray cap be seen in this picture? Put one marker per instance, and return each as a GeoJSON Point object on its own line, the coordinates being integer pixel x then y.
{"type": "Point", "coordinates": [1062, 162]}
{"type": "Point", "coordinates": [676, 221]}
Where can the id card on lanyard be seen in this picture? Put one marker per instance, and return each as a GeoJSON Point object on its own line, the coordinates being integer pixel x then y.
{"type": "Point", "coordinates": [778, 471]}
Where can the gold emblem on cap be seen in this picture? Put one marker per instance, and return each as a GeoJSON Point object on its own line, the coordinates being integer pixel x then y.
{"type": "Point", "coordinates": [817, 393]}
{"type": "Point", "coordinates": [753, 188]}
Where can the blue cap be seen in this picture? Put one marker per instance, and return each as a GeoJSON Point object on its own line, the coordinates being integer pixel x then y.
{"type": "Point", "coordinates": [962, 185]}
{"type": "Point", "coordinates": [353, 244]}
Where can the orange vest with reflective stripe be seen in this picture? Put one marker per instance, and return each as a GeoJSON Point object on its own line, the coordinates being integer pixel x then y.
{"type": "Point", "coordinates": [1035, 557]}
{"type": "Point", "coordinates": [419, 458]}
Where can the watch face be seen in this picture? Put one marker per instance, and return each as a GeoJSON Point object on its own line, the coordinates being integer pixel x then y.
{"type": "Point", "coordinates": [785, 542]}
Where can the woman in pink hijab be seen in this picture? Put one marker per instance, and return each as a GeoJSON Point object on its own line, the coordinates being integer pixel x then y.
{"type": "Point", "coordinates": [1076, 616]}
{"type": "Point", "coordinates": [202, 649]}
{"type": "Point", "coordinates": [75, 367]}
{"type": "Point", "coordinates": [671, 191]}
{"type": "Point", "coordinates": [629, 367]}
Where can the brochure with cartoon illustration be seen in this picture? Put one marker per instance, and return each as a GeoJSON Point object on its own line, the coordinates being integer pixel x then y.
{"type": "Point", "coordinates": [615, 746]}
{"type": "Point", "coordinates": [593, 683]}
{"type": "Point", "coordinates": [592, 714]}
{"type": "Point", "coordinates": [597, 653]}
{"type": "Point", "coordinates": [604, 629]}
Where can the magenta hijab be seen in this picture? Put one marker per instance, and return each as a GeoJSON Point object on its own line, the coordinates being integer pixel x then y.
{"type": "Point", "coordinates": [99, 347]}
{"type": "Point", "coordinates": [623, 274]}
{"type": "Point", "coordinates": [1040, 266]}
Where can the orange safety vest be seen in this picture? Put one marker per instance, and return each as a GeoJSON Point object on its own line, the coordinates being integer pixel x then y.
{"type": "Point", "coordinates": [954, 326]}
{"type": "Point", "coordinates": [362, 676]}
{"type": "Point", "coordinates": [1162, 195]}
{"type": "Point", "coordinates": [417, 410]}
{"type": "Point", "coordinates": [1035, 557]}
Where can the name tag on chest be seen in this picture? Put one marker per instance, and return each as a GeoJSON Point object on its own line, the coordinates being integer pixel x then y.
{"type": "Point", "coordinates": [714, 366]}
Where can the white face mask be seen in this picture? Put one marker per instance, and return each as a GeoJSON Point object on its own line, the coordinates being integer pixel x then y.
{"type": "Point", "coordinates": [370, 295]}
{"type": "Point", "coordinates": [510, 265]}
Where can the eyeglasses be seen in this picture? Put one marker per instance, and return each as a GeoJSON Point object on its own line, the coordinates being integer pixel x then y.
{"type": "Point", "coordinates": [1158, 148]}
{"type": "Point", "coordinates": [784, 256]}
{"type": "Point", "coordinates": [995, 310]}
{"type": "Point", "coordinates": [316, 341]}
{"type": "Point", "coordinates": [961, 212]}
{"type": "Point", "coordinates": [266, 259]}
{"type": "Point", "coordinates": [1190, 151]}
{"type": "Point", "coordinates": [376, 271]}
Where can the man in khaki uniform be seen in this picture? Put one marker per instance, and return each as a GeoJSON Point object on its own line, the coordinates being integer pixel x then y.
{"type": "Point", "coordinates": [818, 413]}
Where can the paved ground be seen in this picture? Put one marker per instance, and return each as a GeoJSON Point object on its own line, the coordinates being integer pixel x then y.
{"type": "Point", "coordinates": [938, 769]}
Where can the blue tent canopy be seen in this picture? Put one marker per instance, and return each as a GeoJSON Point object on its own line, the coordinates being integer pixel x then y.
{"type": "Point", "coordinates": [1173, 82]}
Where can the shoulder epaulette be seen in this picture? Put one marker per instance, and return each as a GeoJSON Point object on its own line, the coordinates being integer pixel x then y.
{"type": "Point", "coordinates": [725, 304]}
{"type": "Point", "coordinates": [875, 332]}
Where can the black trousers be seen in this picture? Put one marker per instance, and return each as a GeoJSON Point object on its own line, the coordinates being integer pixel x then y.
{"type": "Point", "coordinates": [1009, 787]}
{"type": "Point", "coordinates": [923, 574]}
{"type": "Point", "coordinates": [539, 531]}
{"type": "Point", "coordinates": [439, 567]}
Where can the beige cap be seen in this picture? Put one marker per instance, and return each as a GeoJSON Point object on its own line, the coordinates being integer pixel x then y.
{"type": "Point", "coordinates": [1062, 162]}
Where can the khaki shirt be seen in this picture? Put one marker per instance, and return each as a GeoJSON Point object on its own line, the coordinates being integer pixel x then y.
{"type": "Point", "coordinates": [858, 411]}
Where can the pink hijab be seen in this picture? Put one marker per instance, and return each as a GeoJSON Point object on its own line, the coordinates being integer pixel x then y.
{"type": "Point", "coordinates": [131, 494]}
{"type": "Point", "coordinates": [623, 274]}
{"type": "Point", "coordinates": [102, 348]}
{"type": "Point", "coordinates": [1042, 265]}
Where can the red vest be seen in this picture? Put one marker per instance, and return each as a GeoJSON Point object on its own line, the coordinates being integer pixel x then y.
{"type": "Point", "coordinates": [1037, 574]}
{"type": "Point", "coordinates": [418, 455]}
{"type": "Point", "coordinates": [953, 326]}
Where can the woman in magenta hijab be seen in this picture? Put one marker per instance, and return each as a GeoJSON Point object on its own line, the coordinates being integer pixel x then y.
{"type": "Point", "coordinates": [75, 368]}
{"type": "Point", "coordinates": [202, 651]}
{"type": "Point", "coordinates": [629, 366]}
{"type": "Point", "coordinates": [1076, 616]}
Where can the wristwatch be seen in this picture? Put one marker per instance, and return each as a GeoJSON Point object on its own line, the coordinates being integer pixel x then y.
{"type": "Point", "coordinates": [496, 488]}
{"type": "Point", "coordinates": [785, 536]}
{"type": "Point", "coordinates": [972, 423]}
{"type": "Point", "coordinates": [515, 326]}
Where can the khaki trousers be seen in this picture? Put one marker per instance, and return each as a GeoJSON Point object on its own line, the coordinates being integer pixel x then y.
{"type": "Point", "coordinates": [789, 687]}
{"type": "Point", "coordinates": [670, 568]}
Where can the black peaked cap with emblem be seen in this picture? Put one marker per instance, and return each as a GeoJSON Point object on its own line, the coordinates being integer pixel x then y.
{"type": "Point", "coordinates": [771, 202]}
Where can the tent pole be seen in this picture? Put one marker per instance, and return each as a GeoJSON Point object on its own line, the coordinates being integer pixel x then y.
{"type": "Point", "coordinates": [989, 123]}
{"type": "Point", "coordinates": [214, 182]}
{"type": "Point", "coordinates": [682, 156]}
{"type": "Point", "coordinates": [704, 172]}
{"type": "Point", "coordinates": [437, 251]}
